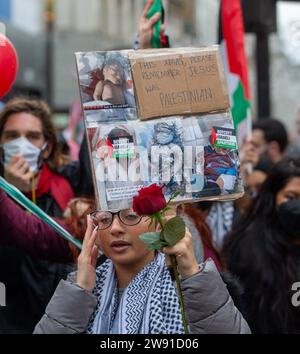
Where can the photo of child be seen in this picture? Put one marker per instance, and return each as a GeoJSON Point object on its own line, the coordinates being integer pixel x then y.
{"type": "Point", "coordinates": [216, 169]}
{"type": "Point", "coordinates": [116, 165]}
{"type": "Point", "coordinates": [163, 141]}
{"type": "Point", "coordinates": [105, 80]}
{"type": "Point", "coordinates": [220, 169]}
{"type": "Point", "coordinates": [176, 152]}
{"type": "Point", "coordinates": [111, 87]}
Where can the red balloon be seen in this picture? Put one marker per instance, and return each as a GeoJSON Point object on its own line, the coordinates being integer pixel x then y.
{"type": "Point", "coordinates": [9, 65]}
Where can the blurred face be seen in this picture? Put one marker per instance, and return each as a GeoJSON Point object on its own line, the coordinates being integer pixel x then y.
{"type": "Point", "coordinates": [290, 192]}
{"type": "Point", "coordinates": [122, 245]}
{"type": "Point", "coordinates": [259, 141]}
{"type": "Point", "coordinates": [221, 151]}
{"type": "Point", "coordinates": [23, 125]}
{"type": "Point", "coordinates": [103, 150]}
{"type": "Point", "coordinates": [113, 73]}
{"type": "Point", "coordinates": [255, 180]}
{"type": "Point", "coordinates": [298, 122]}
{"type": "Point", "coordinates": [164, 136]}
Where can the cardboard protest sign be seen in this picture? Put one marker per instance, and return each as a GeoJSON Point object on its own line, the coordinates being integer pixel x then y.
{"type": "Point", "coordinates": [188, 151]}
{"type": "Point", "coordinates": [185, 81]}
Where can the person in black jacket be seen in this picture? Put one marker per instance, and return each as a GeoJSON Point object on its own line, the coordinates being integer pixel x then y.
{"type": "Point", "coordinates": [29, 159]}
{"type": "Point", "coordinates": [263, 251]}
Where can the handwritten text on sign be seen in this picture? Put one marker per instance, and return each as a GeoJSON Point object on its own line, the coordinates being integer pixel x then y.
{"type": "Point", "coordinates": [175, 84]}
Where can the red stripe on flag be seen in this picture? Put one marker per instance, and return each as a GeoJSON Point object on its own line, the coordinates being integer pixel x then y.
{"type": "Point", "coordinates": [213, 137]}
{"type": "Point", "coordinates": [233, 34]}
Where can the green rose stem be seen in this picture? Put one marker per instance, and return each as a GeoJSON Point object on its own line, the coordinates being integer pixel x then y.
{"type": "Point", "coordinates": [174, 266]}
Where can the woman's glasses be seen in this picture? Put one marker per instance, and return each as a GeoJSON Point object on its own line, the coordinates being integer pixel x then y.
{"type": "Point", "coordinates": [103, 219]}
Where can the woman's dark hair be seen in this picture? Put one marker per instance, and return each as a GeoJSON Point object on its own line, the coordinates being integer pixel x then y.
{"type": "Point", "coordinates": [259, 252]}
{"type": "Point", "coordinates": [273, 130]}
{"type": "Point", "coordinates": [117, 133]}
{"type": "Point", "coordinates": [40, 110]}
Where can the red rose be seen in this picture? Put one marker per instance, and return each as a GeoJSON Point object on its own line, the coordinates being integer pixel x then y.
{"type": "Point", "coordinates": [149, 201]}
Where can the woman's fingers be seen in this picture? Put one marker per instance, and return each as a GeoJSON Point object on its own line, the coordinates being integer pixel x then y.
{"type": "Point", "coordinates": [174, 250]}
{"type": "Point", "coordinates": [184, 253]}
{"type": "Point", "coordinates": [19, 164]}
{"type": "Point", "coordinates": [27, 176]}
{"type": "Point", "coordinates": [89, 231]}
{"type": "Point", "coordinates": [15, 159]}
{"type": "Point", "coordinates": [153, 19]}
{"type": "Point", "coordinates": [91, 242]}
{"type": "Point", "coordinates": [147, 8]}
{"type": "Point", "coordinates": [25, 168]}
{"type": "Point", "coordinates": [92, 239]}
{"type": "Point", "coordinates": [182, 247]}
{"type": "Point", "coordinates": [171, 214]}
{"type": "Point", "coordinates": [89, 251]}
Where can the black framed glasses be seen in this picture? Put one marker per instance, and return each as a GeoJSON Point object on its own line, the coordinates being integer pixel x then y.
{"type": "Point", "coordinates": [103, 219]}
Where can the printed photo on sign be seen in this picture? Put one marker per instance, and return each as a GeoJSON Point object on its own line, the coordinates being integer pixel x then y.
{"type": "Point", "coordinates": [116, 165]}
{"type": "Point", "coordinates": [221, 163]}
{"type": "Point", "coordinates": [161, 142]}
{"type": "Point", "coordinates": [105, 80]}
{"type": "Point", "coordinates": [223, 137]}
{"type": "Point", "coordinates": [216, 170]}
{"type": "Point", "coordinates": [194, 155]}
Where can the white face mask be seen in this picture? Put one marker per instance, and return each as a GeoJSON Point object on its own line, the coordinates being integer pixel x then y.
{"type": "Point", "coordinates": [24, 147]}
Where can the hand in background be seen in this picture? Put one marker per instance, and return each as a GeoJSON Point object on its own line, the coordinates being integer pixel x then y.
{"type": "Point", "coordinates": [17, 172]}
{"type": "Point", "coordinates": [249, 158]}
{"type": "Point", "coordinates": [145, 30]}
{"type": "Point", "coordinates": [87, 260]}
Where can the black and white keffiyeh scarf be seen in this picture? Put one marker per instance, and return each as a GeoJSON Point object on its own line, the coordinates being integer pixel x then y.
{"type": "Point", "coordinates": [149, 304]}
{"type": "Point", "coordinates": [219, 220]}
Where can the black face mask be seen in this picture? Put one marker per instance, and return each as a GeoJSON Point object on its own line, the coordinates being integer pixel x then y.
{"type": "Point", "coordinates": [289, 217]}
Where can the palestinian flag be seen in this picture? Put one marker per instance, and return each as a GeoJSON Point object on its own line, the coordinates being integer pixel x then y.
{"type": "Point", "coordinates": [232, 41]}
{"type": "Point", "coordinates": [159, 40]}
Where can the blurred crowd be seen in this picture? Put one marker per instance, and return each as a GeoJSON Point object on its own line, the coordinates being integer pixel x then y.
{"type": "Point", "coordinates": [252, 242]}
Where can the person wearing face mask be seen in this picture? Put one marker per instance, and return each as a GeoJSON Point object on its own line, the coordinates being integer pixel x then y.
{"type": "Point", "coordinates": [29, 159]}
{"type": "Point", "coordinates": [263, 251]}
{"type": "Point", "coordinates": [30, 154]}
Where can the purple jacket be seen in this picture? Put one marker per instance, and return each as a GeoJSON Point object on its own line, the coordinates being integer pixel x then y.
{"type": "Point", "coordinates": [30, 234]}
